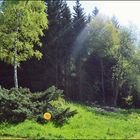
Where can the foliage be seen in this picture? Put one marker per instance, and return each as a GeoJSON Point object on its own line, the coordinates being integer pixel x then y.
{"type": "Point", "coordinates": [22, 22]}
{"type": "Point", "coordinates": [16, 105]}
{"type": "Point", "coordinates": [110, 71]}
{"type": "Point", "coordinates": [95, 11]}
{"type": "Point", "coordinates": [93, 59]}
{"type": "Point", "coordinates": [100, 49]}
{"type": "Point", "coordinates": [51, 101]}
{"type": "Point", "coordinates": [103, 37]}
{"type": "Point", "coordinates": [52, 69]}
{"type": "Point", "coordinates": [78, 18]}
{"type": "Point", "coordinates": [129, 100]}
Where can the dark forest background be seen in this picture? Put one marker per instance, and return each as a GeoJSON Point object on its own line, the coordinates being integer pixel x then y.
{"type": "Point", "coordinates": [85, 63]}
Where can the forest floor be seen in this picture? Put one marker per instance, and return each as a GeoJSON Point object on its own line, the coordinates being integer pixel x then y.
{"type": "Point", "coordinates": [89, 123]}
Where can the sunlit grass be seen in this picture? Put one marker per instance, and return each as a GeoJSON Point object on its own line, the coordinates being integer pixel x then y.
{"type": "Point", "coordinates": [88, 123]}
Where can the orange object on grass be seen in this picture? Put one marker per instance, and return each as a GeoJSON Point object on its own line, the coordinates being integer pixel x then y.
{"type": "Point", "coordinates": [47, 116]}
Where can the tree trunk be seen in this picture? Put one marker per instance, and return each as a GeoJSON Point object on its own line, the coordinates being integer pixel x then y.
{"type": "Point", "coordinates": [15, 60]}
{"type": "Point", "coordinates": [113, 91]}
{"type": "Point", "coordinates": [117, 87]}
{"type": "Point", "coordinates": [69, 79]}
{"type": "Point", "coordinates": [15, 67]}
{"type": "Point", "coordinates": [80, 84]}
{"type": "Point", "coordinates": [116, 94]}
{"type": "Point", "coordinates": [56, 68]}
{"type": "Point", "coordinates": [66, 76]}
{"type": "Point", "coordinates": [102, 80]}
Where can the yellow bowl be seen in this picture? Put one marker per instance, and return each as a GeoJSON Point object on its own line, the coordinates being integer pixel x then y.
{"type": "Point", "coordinates": [47, 116]}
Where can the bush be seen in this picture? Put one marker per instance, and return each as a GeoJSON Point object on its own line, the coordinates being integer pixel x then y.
{"type": "Point", "coordinates": [51, 101]}
{"type": "Point", "coordinates": [16, 105]}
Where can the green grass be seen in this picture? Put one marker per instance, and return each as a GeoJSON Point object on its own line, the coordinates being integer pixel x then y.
{"type": "Point", "coordinates": [88, 123]}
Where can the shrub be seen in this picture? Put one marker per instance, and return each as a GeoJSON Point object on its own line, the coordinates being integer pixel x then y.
{"type": "Point", "coordinates": [128, 100]}
{"type": "Point", "coordinates": [16, 105]}
{"type": "Point", "coordinates": [51, 101]}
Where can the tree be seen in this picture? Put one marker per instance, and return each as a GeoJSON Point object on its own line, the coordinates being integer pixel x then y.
{"type": "Point", "coordinates": [79, 19]}
{"type": "Point", "coordinates": [95, 11]}
{"type": "Point", "coordinates": [56, 50]}
{"type": "Point", "coordinates": [58, 44]}
{"type": "Point", "coordinates": [124, 65]}
{"type": "Point", "coordinates": [115, 22]}
{"type": "Point", "coordinates": [65, 49]}
{"type": "Point", "coordinates": [102, 42]}
{"type": "Point", "coordinates": [79, 23]}
{"type": "Point", "coordinates": [55, 10]}
{"type": "Point", "coordinates": [22, 22]}
{"type": "Point", "coordinates": [112, 53]}
{"type": "Point", "coordinates": [89, 18]}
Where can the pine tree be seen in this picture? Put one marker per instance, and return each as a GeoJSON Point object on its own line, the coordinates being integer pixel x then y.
{"type": "Point", "coordinates": [58, 43]}
{"type": "Point", "coordinates": [95, 11]}
{"type": "Point", "coordinates": [115, 22]}
{"type": "Point", "coordinates": [67, 40]}
{"type": "Point", "coordinates": [50, 70]}
{"type": "Point", "coordinates": [78, 18]}
{"type": "Point", "coordinates": [79, 23]}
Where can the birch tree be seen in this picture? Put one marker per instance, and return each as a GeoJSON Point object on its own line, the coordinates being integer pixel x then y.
{"type": "Point", "coordinates": [21, 25]}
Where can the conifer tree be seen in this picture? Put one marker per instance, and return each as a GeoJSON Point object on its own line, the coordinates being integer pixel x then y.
{"type": "Point", "coordinates": [79, 23]}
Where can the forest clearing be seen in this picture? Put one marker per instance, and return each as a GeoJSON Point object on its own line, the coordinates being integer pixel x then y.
{"type": "Point", "coordinates": [89, 123]}
{"type": "Point", "coordinates": [67, 73]}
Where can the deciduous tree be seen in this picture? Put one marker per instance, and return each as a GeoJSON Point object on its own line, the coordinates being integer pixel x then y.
{"type": "Point", "coordinates": [22, 22]}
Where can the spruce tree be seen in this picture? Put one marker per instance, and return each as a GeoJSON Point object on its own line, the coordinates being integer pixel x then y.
{"type": "Point", "coordinates": [79, 23]}
{"type": "Point", "coordinates": [95, 11]}
{"type": "Point", "coordinates": [78, 18]}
